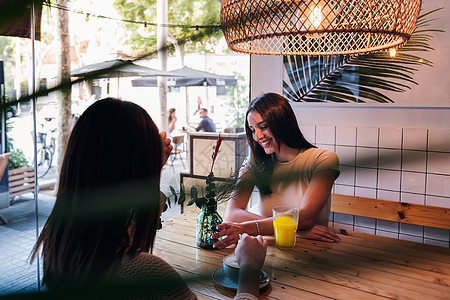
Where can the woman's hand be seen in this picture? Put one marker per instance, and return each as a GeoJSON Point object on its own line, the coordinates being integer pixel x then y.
{"type": "Point", "coordinates": [250, 254]}
{"type": "Point", "coordinates": [319, 232]}
{"type": "Point", "coordinates": [230, 231]}
{"type": "Point", "coordinates": [166, 147]}
{"type": "Point", "coordinates": [251, 251]}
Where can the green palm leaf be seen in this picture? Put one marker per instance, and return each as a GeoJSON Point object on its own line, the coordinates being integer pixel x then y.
{"type": "Point", "coordinates": [358, 78]}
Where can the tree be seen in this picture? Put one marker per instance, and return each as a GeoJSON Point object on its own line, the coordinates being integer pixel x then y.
{"type": "Point", "coordinates": [181, 12]}
{"type": "Point", "coordinates": [6, 54]}
{"type": "Point", "coordinates": [237, 105]}
{"type": "Point", "coordinates": [65, 92]}
{"type": "Point", "coordinates": [182, 15]}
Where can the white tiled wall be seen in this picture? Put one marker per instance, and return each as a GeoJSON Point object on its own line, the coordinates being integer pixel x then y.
{"type": "Point", "coordinates": [346, 135]}
{"type": "Point", "coordinates": [390, 138]}
{"type": "Point", "coordinates": [438, 140]}
{"type": "Point", "coordinates": [309, 132]}
{"type": "Point", "coordinates": [367, 137]}
{"type": "Point", "coordinates": [397, 164]}
{"type": "Point", "coordinates": [415, 139]}
{"type": "Point", "coordinates": [325, 135]}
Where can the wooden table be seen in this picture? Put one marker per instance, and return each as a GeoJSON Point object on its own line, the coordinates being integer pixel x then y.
{"type": "Point", "coordinates": [361, 266]}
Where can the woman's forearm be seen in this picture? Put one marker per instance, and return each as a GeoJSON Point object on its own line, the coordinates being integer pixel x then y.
{"type": "Point", "coordinates": [307, 219]}
{"type": "Point", "coordinates": [305, 222]}
{"type": "Point", "coordinates": [259, 227]}
{"type": "Point", "coordinates": [241, 215]}
{"type": "Point", "coordinates": [253, 225]}
{"type": "Point", "coordinates": [249, 281]}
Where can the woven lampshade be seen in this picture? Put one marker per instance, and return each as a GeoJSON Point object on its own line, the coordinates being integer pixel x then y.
{"type": "Point", "coordinates": [317, 27]}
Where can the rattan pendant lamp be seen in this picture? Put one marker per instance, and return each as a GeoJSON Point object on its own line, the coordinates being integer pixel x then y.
{"type": "Point", "coordinates": [317, 27]}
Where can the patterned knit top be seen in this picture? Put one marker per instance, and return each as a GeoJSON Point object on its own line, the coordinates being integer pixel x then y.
{"type": "Point", "coordinates": [146, 276]}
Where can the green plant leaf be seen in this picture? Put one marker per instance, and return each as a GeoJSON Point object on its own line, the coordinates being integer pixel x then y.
{"type": "Point", "coordinates": [194, 192]}
{"type": "Point", "coordinates": [192, 201]}
{"type": "Point", "coordinates": [200, 202]}
{"type": "Point", "coordinates": [172, 190]}
{"type": "Point", "coordinates": [182, 194]}
{"type": "Point", "coordinates": [174, 194]}
{"type": "Point", "coordinates": [194, 195]}
{"type": "Point", "coordinates": [17, 159]}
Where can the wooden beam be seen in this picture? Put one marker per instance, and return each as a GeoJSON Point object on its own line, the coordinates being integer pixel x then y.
{"type": "Point", "coordinates": [424, 215]}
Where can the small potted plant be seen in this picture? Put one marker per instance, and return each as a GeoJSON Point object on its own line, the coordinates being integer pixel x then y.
{"type": "Point", "coordinates": [208, 218]}
{"type": "Point", "coordinates": [21, 175]}
{"type": "Point", "coordinates": [17, 159]}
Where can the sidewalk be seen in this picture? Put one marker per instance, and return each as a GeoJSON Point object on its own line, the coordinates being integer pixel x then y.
{"type": "Point", "coordinates": [18, 237]}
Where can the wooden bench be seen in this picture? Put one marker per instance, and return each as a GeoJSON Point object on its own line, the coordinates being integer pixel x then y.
{"type": "Point", "coordinates": [423, 215]}
{"type": "Point", "coordinates": [21, 181]}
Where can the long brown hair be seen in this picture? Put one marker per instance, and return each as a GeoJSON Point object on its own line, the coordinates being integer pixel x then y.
{"type": "Point", "coordinates": [108, 196]}
{"type": "Point", "coordinates": [171, 111]}
{"type": "Point", "coordinates": [276, 111]}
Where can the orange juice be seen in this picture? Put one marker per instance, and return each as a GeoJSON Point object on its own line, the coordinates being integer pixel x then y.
{"type": "Point", "coordinates": [285, 229]}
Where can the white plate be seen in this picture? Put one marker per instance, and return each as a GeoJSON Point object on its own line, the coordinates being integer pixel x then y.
{"type": "Point", "coordinates": [222, 279]}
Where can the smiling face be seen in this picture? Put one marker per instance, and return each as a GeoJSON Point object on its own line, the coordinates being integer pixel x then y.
{"type": "Point", "coordinates": [262, 134]}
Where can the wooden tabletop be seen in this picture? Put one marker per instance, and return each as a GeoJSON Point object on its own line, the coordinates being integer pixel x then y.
{"type": "Point", "coordinates": [361, 266]}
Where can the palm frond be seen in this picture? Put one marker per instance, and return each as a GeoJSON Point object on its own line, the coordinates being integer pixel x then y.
{"type": "Point", "coordinates": [359, 78]}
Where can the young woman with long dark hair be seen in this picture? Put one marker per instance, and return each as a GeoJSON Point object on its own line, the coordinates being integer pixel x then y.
{"type": "Point", "coordinates": [286, 169]}
{"type": "Point", "coordinates": [100, 233]}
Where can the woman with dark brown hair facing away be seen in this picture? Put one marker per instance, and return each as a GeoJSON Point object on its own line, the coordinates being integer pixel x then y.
{"type": "Point", "coordinates": [286, 169]}
{"type": "Point", "coordinates": [100, 234]}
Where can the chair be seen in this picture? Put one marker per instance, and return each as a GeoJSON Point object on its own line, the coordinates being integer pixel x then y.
{"type": "Point", "coordinates": [178, 142]}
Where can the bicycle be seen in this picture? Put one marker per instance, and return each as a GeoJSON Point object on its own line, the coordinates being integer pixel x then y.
{"type": "Point", "coordinates": [45, 153]}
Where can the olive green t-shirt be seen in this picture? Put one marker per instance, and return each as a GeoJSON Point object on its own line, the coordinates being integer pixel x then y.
{"type": "Point", "coordinates": [295, 177]}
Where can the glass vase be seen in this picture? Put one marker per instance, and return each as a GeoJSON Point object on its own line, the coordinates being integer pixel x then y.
{"type": "Point", "coordinates": [207, 222]}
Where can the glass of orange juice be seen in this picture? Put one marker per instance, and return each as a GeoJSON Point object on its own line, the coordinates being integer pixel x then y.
{"type": "Point", "coordinates": [285, 223]}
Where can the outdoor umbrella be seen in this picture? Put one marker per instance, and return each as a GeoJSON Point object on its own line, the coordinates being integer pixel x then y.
{"type": "Point", "coordinates": [191, 77]}
{"type": "Point", "coordinates": [118, 68]}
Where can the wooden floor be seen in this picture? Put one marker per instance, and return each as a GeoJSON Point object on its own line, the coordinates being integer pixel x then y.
{"type": "Point", "coordinates": [360, 267]}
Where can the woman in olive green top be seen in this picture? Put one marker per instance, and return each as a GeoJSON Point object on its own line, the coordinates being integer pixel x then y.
{"type": "Point", "coordinates": [286, 169]}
